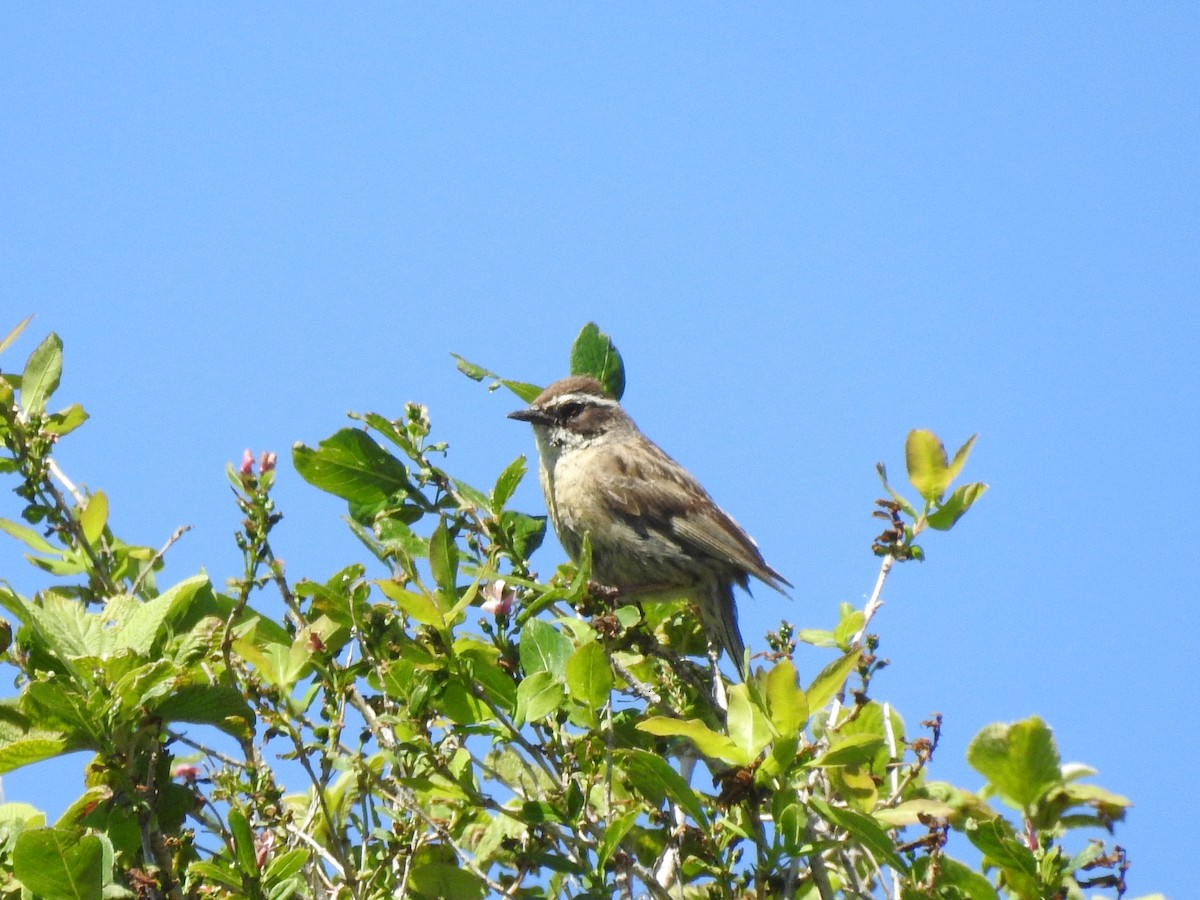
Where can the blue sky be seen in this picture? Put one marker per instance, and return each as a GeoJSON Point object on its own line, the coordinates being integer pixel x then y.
{"type": "Point", "coordinates": [808, 229]}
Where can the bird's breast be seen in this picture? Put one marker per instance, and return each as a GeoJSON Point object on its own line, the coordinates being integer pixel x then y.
{"type": "Point", "coordinates": [627, 550]}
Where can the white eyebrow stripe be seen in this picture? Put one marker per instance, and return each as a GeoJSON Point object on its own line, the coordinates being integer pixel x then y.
{"type": "Point", "coordinates": [586, 399]}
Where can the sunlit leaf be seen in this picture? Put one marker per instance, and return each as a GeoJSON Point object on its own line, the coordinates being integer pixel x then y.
{"type": "Point", "coordinates": [351, 465]}
{"type": "Point", "coordinates": [1019, 759]}
{"type": "Point", "coordinates": [543, 649]}
{"type": "Point", "coordinates": [538, 696]}
{"type": "Point", "coordinates": [67, 420]}
{"type": "Point", "coordinates": [527, 392]}
{"type": "Point", "coordinates": [507, 482]}
{"type": "Point", "coordinates": [855, 749]}
{"type": "Point", "coordinates": [42, 374]}
{"type": "Point", "coordinates": [594, 354]}
{"type": "Point", "coordinates": [419, 606]}
{"type": "Point", "coordinates": [93, 517]}
{"type": "Point", "coordinates": [24, 748]}
{"type": "Point", "coordinates": [748, 726]}
{"type": "Point", "coordinates": [830, 679]}
{"type": "Point", "coordinates": [960, 457]}
{"type": "Point", "coordinates": [956, 506]}
{"type": "Point", "coordinates": [589, 677]}
{"type": "Point", "coordinates": [60, 864]}
{"type": "Point", "coordinates": [29, 537]}
{"type": "Point", "coordinates": [7, 340]}
{"type": "Point", "coordinates": [443, 558]}
{"type": "Point", "coordinates": [707, 741]}
{"type": "Point", "coordinates": [928, 468]}
{"type": "Point", "coordinates": [1001, 845]}
{"type": "Point", "coordinates": [786, 702]}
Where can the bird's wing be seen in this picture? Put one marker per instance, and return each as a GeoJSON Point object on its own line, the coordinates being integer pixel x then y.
{"type": "Point", "coordinates": [654, 487]}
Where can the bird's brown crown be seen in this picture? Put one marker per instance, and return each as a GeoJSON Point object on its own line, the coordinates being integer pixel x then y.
{"type": "Point", "coordinates": [577, 403]}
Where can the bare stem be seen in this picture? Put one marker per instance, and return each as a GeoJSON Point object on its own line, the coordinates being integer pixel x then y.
{"type": "Point", "coordinates": [175, 536]}
{"type": "Point", "coordinates": [876, 601]}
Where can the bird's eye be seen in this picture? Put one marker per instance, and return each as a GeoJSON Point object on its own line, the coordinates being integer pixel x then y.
{"type": "Point", "coordinates": [571, 410]}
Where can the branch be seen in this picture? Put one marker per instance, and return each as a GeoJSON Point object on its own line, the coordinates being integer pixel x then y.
{"type": "Point", "coordinates": [175, 536]}
{"type": "Point", "coordinates": [876, 602]}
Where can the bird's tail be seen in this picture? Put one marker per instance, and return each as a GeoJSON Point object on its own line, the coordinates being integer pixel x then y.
{"type": "Point", "coordinates": [718, 613]}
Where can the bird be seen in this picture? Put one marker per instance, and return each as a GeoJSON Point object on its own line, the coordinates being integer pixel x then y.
{"type": "Point", "coordinates": [654, 530]}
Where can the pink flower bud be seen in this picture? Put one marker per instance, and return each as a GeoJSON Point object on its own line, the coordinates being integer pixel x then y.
{"type": "Point", "coordinates": [186, 771]}
{"type": "Point", "coordinates": [497, 601]}
{"type": "Point", "coordinates": [266, 462]}
{"type": "Point", "coordinates": [247, 466]}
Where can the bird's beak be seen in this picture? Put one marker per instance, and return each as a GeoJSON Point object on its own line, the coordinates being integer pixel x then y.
{"type": "Point", "coordinates": [531, 415]}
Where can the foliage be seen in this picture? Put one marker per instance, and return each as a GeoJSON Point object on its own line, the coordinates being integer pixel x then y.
{"type": "Point", "coordinates": [452, 726]}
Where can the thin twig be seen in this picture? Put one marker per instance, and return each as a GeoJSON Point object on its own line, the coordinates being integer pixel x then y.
{"type": "Point", "coordinates": [99, 568]}
{"type": "Point", "coordinates": [667, 870]}
{"type": "Point", "coordinates": [207, 751]}
{"type": "Point", "coordinates": [890, 734]}
{"type": "Point", "coordinates": [175, 536]}
{"type": "Point", "coordinates": [872, 607]}
{"type": "Point", "coordinates": [876, 601]}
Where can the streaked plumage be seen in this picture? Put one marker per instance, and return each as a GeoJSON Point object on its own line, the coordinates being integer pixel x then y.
{"type": "Point", "coordinates": [653, 528]}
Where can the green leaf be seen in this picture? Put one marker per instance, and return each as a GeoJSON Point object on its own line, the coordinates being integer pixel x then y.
{"type": "Point", "coordinates": [243, 841]}
{"type": "Point", "coordinates": [471, 370]}
{"type": "Point", "coordinates": [831, 679]}
{"type": "Point", "coordinates": [64, 627]}
{"type": "Point", "coordinates": [523, 533]}
{"type": "Point", "coordinates": [208, 704]}
{"type": "Point", "coordinates": [960, 457]}
{"type": "Point", "coordinates": [998, 842]}
{"type": "Point", "coordinates": [67, 420]}
{"type": "Point", "coordinates": [543, 649]}
{"type": "Point", "coordinates": [351, 465]}
{"type": "Point", "coordinates": [1020, 759]}
{"type": "Point", "coordinates": [527, 392]}
{"type": "Point", "coordinates": [471, 497]}
{"type": "Point", "coordinates": [433, 881]}
{"type": "Point", "coordinates": [93, 517]}
{"type": "Point", "coordinates": [817, 637]}
{"type": "Point", "coordinates": [443, 559]}
{"type": "Point", "coordinates": [41, 376]}
{"type": "Point", "coordinates": [60, 865]}
{"type": "Point", "coordinates": [421, 607]}
{"type": "Point", "coordinates": [748, 726]}
{"type": "Point", "coordinates": [864, 829]}
{"type": "Point", "coordinates": [786, 702]}
{"type": "Point", "coordinates": [507, 482]}
{"type": "Point", "coordinates": [952, 873]}
{"type": "Point", "coordinates": [6, 342]}
{"type": "Point", "coordinates": [614, 833]}
{"type": "Point", "coordinates": [849, 623]}
{"type": "Point", "coordinates": [286, 865]}
{"type": "Point", "coordinates": [29, 537]}
{"type": "Point", "coordinates": [146, 627]}
{"type": "Point", "coordinates": [910, 812]}
{"type": "Point", "coordinates": [652, 776]}
{"type": "Point", "coordinates": [538, 696]}
{"type": "Point", "coordinates": [589, 677]}
{"type": "Point", "coordinates": [956, 505]}
{"type": "Point", "coordinates": [856, 749]}
{"type": "Point", "coordinates": [707, 741]}
{"type": "Point", "coordinates": [594, 353]}
{"type": "Point", "coordinates": [928, 468]}
{"type": "Point", "coordinates": [20, 748]}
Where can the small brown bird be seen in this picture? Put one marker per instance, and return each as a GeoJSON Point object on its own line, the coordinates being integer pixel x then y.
{"type": "Point", "coordinates": [654, 530]}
